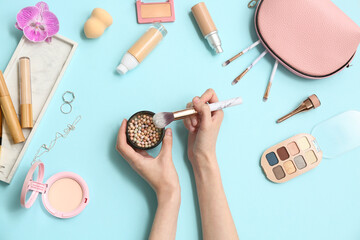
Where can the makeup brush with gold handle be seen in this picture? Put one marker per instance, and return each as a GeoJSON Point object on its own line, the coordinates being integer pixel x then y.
{"type": "Point", "coordinates": [311, 102]}
{"type": "Point", "coordinates": [163, 119]}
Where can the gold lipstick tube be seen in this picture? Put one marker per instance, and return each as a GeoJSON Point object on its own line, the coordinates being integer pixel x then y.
{"type": "Point", "coordinates": [8, 109]}
{"type": "Point", "coordinates": [26, 112]}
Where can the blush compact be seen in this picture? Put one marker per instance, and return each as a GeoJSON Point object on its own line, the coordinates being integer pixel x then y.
{"type": "Point", "coordinates": [64, 195]}
{"type": "Point", "coordinates": [151, 12]}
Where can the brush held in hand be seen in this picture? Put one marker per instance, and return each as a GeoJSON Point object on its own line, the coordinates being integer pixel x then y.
{"type": "Point", "coordinates": [163, 119]}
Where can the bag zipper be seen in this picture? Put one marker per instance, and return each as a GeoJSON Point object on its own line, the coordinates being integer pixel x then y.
{"type": "Point", "coordinates": [252, 3]}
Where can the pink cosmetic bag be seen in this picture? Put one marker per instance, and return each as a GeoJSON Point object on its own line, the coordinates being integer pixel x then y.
{"type": "Point", "coordinates": [312, 38]}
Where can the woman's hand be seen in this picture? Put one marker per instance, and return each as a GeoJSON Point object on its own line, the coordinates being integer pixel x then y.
{"type": "Point", "coordinates": [216, 219]}
{"type": "Point", "coordinates": [160, 171]}
{"type": "Point", "coordinates": [203, 130]}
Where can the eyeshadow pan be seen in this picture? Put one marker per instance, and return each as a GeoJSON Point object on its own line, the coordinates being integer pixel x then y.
{"type": "Point", "coordinates": [279, 172]}
{"type": "Point", "coordinates": [310, 157]}
{"type": "Point", "coordinates": [289, 167]}
{"type": "Point", "coordinates": [293, 148]}
{"type": "Point", "coordinates": [303, 143]}
{"type": "Point", "coordinates": [272, 159]}
{"type": "Point", "coordinates": [300, 162]}
{"type": "Point", "coordinates": [283, 153]}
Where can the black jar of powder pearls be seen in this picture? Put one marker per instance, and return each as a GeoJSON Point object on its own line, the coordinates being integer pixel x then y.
{"type": "Point", "coordinates": [141, 132]}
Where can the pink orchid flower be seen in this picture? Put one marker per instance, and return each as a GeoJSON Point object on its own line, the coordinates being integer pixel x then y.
{"type": "Point", "coordinates": [37, 22]}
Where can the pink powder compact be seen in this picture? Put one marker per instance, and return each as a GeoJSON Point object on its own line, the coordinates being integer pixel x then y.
{"type": "Point", "coordinates": [64, 195]}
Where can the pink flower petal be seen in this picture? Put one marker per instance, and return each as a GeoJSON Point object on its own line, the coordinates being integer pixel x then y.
{"type": "Point", "coordinates": [48, 40]}
{"type": "Point", "coordinates": [17, 26]}
{"type": "Point", "coordinates": [43, 6]}
{"type": "Point", "coordinates": [26, 16]}
{"type": "Point", "coordinates": [35, 34]}
{"type": "Point", "coordinates": [50, 22]}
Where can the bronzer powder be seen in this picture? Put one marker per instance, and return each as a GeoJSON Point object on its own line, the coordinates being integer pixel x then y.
{"type": "Point", "coordinates": [65, 195]}
{"type": "Point", "coordinates": [155, 10]}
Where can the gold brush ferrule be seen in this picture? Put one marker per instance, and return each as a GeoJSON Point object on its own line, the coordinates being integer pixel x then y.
{"type": "Point", "coordinates": [267, 92]}
{"type": "Point", "coordinates": [236, 56]}
{"type": "Point", "coordinates": [236, 80]}
{"type": "Point", "coordinates": [184, 113]}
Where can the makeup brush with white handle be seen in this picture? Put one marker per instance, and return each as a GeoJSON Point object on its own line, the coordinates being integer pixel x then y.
{"type": "Point", "coordinates": [163, 119]}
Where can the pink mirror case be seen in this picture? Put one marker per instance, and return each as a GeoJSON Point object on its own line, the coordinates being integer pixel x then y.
{"type": "Point", "coordinates": [64, 195]}
{"type": "Point", "coordinates": [313, 39]}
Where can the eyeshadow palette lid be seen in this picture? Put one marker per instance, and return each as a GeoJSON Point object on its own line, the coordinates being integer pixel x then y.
{"type": "Point", "coordinates": [339, 134]}
{"type": "Point", "coordinates": [64, 195]}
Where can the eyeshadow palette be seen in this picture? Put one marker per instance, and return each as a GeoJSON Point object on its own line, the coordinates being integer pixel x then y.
{"type": "Point", "coordinates": [291, 158]}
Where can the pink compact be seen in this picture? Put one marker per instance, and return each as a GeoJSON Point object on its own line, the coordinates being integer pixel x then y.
{"type": "Point", "coordinates": [64, 195]}
{"type": "Point", "coordinates": [155, 11]}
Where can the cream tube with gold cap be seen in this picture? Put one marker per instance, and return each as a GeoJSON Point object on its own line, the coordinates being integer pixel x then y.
{"type": "Point", "coordinates": [8, 110]}
{"type": "Point", "coordinates": [26, 113]}
{"type": "Point", "coordinates": [138, 52]}
{"type": "Point", "coordinates": [207, 26]}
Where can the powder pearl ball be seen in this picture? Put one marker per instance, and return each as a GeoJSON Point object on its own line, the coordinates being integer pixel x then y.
{"type": "Point", "coordinates": [142, 131]}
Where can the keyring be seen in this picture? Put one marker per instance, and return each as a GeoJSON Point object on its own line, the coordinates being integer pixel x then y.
{"type": "Point", "coordinates": [62, 110]}
{"type": "Point", "coordinates": [67, 93]}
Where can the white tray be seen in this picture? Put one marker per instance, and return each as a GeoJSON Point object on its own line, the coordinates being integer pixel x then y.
{"type": "Point", "coordinates": [48, 63]}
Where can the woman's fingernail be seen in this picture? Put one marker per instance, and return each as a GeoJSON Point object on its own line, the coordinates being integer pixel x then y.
{"type": "Point", "coordinates": [194, 122]}
{"type": "Point", "coordinates": [168, 132]}
{"type": "Point", "coordinates": [197, 99]}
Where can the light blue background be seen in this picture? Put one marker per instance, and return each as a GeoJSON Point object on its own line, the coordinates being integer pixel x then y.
{"type": "Point", "coordinates": [322, 204]}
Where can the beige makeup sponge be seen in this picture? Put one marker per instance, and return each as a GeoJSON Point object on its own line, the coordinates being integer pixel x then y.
{"type": "Point", "coordinates": [99, 20]}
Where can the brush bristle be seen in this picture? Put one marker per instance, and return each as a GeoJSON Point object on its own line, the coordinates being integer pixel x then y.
{"type": "Point", "coordinates": [163, 119]}
{"type": "Point", "coordinates": [226, 63]}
